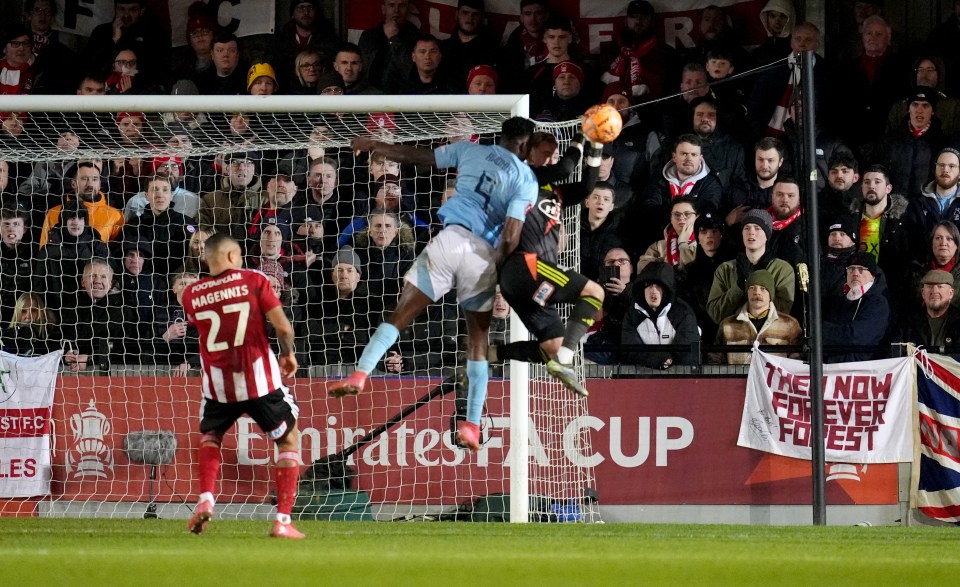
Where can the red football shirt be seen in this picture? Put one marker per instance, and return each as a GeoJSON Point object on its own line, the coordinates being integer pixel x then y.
{"type": "Point", "coordinates": [229, 312]}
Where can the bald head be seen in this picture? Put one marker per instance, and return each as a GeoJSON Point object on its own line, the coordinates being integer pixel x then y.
{"type": "Point", "coordinates": [222, 252]}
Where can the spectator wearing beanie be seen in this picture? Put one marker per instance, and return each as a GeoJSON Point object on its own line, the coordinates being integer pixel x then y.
{"type": "Point", "coordinates": [758, 320]}
{"type": "Point", "coordinates": [196, 57]}
{"type": "Point", "coordinates": [694, 285]}
{"type": "Point", "coordinates": [262, 80]}
{"type": "Point", "coordinates": [859, 316]}
{"type": "Point", "coordinates": [482, 80]}
{"type": "Point", "coordinates": [330, 83]}
{"type": "Point", "coordinates": [841, 244]}
{"type": "Point", "coordinates": [568, 101]}
{"type": "Point", "coordinates": [729, 289]}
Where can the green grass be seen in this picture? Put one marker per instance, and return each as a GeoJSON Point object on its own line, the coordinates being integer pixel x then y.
{"type": "Point", "coordinates": [160, 552]}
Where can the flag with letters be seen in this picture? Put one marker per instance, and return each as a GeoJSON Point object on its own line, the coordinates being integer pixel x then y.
{"type": "Point", "coordinates": [867, 411]}
{"type": "Point", "coordinates": [27, 386]}
{"type": "Point", "coordinates": [938, 406]}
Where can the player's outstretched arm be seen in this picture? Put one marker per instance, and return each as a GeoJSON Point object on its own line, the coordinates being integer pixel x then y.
{"type": "Point", "coordinates": [284, 332]}
{"type": "Point", "coordinates": [400, 153]}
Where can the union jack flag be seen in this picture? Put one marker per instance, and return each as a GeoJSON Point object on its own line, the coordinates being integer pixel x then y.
{"type": "Point", "coordinates": [938, 401]}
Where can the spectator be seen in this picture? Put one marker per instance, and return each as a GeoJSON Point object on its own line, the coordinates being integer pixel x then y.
{"type": "Point", "coordinates": [618, 296]}
{"type": "Point", "coordinates": [870, 84]}
{"type": "Point", "coordinates": [183, 201]}
{"type": "Point", "coordinates": [539, 78]}
{"type": "Point", "coordinates": [686, 174]}
{"type": "Point", "coordinates": [841, 244]}
{"type": "Point", "coordinates": [45, 184]}
{"type": "Point", "coordinates": [728, 291]}
{"type": "Point", "coordinates": [307, 30]}
{"type": "Point", "coordinates": [16, 71]}
{"type": "Point", "coordinates": [679, 245]}
{"type": "Point", "coordinates": [348, 62]}
{"type": "Point", "coordinates": [730, 95]}
{"type": "Point", "coordinates": [943, 255]}
{"type": "Point", "coordinates": [125, 172]}
{"type": "Point", "coordinates": [330, 84]}
{"type": "Point", "coordinates": [161, 227]}
{"type": "Point", "coordinates": [482, 80]}
{"type": "Point", "coordinates": [841, 194]}
{"type": "Point", "coordinates": [181, 338]}
{"type": "Point", "coordinates": [341, 329]}
{"type": "Point", "coordinates": [55, 63]}
{"type": "Point", "coordinates": [386, 249]}
{"type": "Point", "coordinates": [105, 219]}
{"type": "Point", "coordinates": [524, 46]}
{"type": "Point", "coordinates": [308, 67]}
{"type": "Point", "coordinates": [279, 258]}
{"type": "Point", "coordinates": [639, 59]}
{"type": "Point", "coordinates": [227, 76]}
{"type": "Point", "coordinates": [715, 32]}
{"type": "Point", "coordinates": [196, 59]}
{"type": "Point", "coordinates": [142, 289]}
{"type": "Point", "coordinates": [658, 317]}
{"type": "Point", "coordinates": [389, 43]}
{"type": "Point", "coordinates": [886, 230]}
{"type": "Point", "coordinates": [125, 76]}
{"type": "Point", "coordinates": [721, 152]}
{"type": "Point", "coordinates": [388, 194]}
{"type": "Point", "coordinates": [756, 321]}
{"type": "Point", "coordinates": [909, 151]}
{"type": "Point", "coordinates": [754, 191]}
{"type": "Point", "coordinates": [629, 150]}
{"type": "Point", "coordinates": [598, 229]}
{"type": "Point", "coordinates": [623, 194]}
{"type": "Point", "coordinates": [789, 238]}
{"type": "Point", "coordinates": [277, 210]}
{"type": "Point", "coordinates": [421, 73]}
{"type": "Point", "coordinates": [132, 27]}
{"type": "Point", "coordinates": [16, 259]}
{"type": "Point", "coordinates": [677, 113]}
{"type": "Point", "coordinates": [72, 243]}
{"type": "Point", "coordinates": [938, 199]}
{"type": "Point", "coordinates": [32, 329]}
{"type": "Point", "coordinates": [195, 263]}
{"type": "Point", "coordinates": [859, 316]}
{"type": "Point", "coordinates": [470, 44]}
{"type": "Point", "coordinates": [324, 191]}
{"type": "Point", "coordinates": [694, 284]}
{"type": "Point", "coordinates": [261, 80]}
{"type": "Point", "coordinates": [777, 17]}
{"type": "Point", "coordinates": [937, 324]}
{"type": "Point", "coordinates": [928, 73]}
{"type": "Point", "coordinates": [228, 209]}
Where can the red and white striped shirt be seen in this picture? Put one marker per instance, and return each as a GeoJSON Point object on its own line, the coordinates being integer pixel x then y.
{"type": "Point", "coordinates": [229, 312]}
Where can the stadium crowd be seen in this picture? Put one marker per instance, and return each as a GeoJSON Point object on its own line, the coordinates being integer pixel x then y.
{"type": "Point", "coordinates": [696, 228]}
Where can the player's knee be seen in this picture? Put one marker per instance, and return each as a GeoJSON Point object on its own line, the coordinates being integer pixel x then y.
{"type": "Point", "coordinates": [552, 346]}
{"type": "Point", "coordinates": [592, 289]}
{"type": "Point", "coordinates": [290, 442]}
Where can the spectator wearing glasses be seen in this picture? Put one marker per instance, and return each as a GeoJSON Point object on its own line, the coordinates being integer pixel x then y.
{"type": "Point", "coordinates": [859, 315]}
{"type": "Point", "coordinates": [126, 78]}
{"type": "Point", "coordinates": [16, 72]}
{"type": "Point", "coordinates": [617, 282]}
{"type": "Point", "coordinates": [55, 64]}
{"type": "Point", "coordinates": [937, 324]}
{"type": "Point", "coordinates": [196, 58]}
{"type": "Point", "coordinates": [307, 30]}
{"type": "Point", "coordinates": [938, 200]}
{"type": "Point", "coordinates": [308, 66]}
{"type": "Point", "coordinates": [679, 245]}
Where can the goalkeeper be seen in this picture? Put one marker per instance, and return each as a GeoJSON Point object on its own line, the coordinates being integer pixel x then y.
{"type": "Point", "coordinates": [530, 279]}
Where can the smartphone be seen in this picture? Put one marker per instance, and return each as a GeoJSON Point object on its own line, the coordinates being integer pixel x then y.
{"type": "Point", "coordinates": [608, 272]}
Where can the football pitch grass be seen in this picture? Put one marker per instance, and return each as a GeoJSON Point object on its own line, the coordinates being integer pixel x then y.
{"type": "Point", "coordinates": [69, 552]}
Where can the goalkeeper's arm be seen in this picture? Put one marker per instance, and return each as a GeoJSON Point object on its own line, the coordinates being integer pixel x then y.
{"type": "Point", "coordinates": [562, 169]}
{"type": "Point", "coordinates": [574, 193]}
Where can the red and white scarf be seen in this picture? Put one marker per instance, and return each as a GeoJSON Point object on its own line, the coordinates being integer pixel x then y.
{"type": "Point", "coordinates": [628, 61]}
{"type": "Point", "coordinates": [535, 49]}
{"type": "Point", "coordinates": [681, 190]}
{"type": "Point", "coordinates": [781, 224]}
{"type": "Point", "coordinates": [671, 249]}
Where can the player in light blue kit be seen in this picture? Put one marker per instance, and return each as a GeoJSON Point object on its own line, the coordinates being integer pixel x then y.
{"type": "Point", "coordinates": [493, 192]}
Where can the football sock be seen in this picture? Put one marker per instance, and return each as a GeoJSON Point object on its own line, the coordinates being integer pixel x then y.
{"type": "Point", "coordinates": [286, 480]}
{"type": "Point", "coordinates": [478, 373]}
{"type": "Point", "coordinates": [209, 464]}
{"type": "Point", "coordinates": [528, 351]}
{"type": "Point", "coordinates": [581, 319]}
{"type": "Point", "coordinates": [384, 338]}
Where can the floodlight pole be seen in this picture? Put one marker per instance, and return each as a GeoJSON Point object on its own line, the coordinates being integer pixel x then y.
{"type": "Point", "coordinates": [818, 458]}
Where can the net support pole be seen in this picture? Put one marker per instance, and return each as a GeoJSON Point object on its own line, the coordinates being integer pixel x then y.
{"type": "Point", "coordinates": [519, 461]}
{"type": "Point", "coordinates": [817, 456]}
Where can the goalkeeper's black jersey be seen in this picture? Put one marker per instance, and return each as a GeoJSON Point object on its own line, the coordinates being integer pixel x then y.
{"type": "Point", "coordinates": [541, 229]}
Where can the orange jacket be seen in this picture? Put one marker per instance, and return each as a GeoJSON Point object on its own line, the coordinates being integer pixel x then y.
{"type": "Point", "coordinates": [105, 218]}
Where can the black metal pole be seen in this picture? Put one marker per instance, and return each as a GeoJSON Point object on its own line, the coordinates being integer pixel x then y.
{"type": "Point", "coordinates": [816, 342]}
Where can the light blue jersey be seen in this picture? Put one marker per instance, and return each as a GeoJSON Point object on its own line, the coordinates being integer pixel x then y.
{"type": "Point", "coordinates": [493, 184]}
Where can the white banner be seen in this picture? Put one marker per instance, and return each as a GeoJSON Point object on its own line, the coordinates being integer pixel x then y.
{"type": "Point", "coordinates": [27, 385]}
{"type": "Point", "coordinates": [867, 409]}
{"type": "Point", "coordinates": [241, 17]}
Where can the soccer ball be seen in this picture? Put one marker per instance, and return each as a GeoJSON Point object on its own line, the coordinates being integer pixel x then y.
{"type": "Point", "coordinates": [602, 123]}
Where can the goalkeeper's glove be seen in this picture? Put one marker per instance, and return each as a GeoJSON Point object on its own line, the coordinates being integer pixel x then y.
{"type": "Point", "coordinates": [593, 154]}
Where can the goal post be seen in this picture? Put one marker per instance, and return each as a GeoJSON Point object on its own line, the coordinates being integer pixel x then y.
{"type": "Point", "coordinates": [286, 124]}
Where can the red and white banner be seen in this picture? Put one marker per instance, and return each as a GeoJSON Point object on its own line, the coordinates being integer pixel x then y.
{"type": "Point", "coordinates": [597, 21]}
{"type": "Point", "coordinates": [241, 17]}
{"type": "Point", "coordinates": [26, 401]}
{"type": "Point", "coordinates": [867, 409]}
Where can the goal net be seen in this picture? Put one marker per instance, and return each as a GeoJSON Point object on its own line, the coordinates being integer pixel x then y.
{"type": "Point", "coordinates": [106, 205]}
